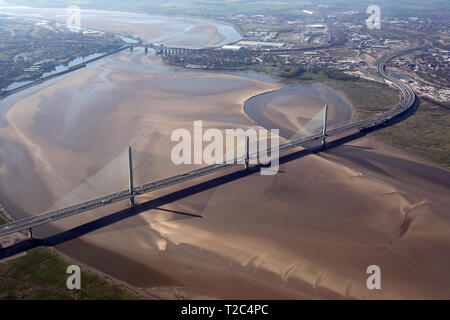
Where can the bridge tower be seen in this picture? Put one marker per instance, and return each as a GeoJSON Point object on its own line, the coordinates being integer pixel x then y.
{"type": "Point", "coordinates": [247, 152]}
{"type": "Point", "coordinates": [324, 131]}
{"type": "Point", "coordinates": [130, 168]}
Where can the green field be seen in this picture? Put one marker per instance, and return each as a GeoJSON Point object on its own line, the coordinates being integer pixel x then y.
{"type": "Point", "coordinates": [265, 68]}
{"type": "Point", "coordinates": [41, 275]}
{"type": "Point", "coordinates": [368, 98]}
{"type": "Point", "coordinates": [313, 76]}
{"type": "Point", "coordinates": [426, 133]}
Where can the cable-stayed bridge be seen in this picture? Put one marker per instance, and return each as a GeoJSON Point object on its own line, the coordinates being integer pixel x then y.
{"type": "Point", "coordinates": [407, 102]}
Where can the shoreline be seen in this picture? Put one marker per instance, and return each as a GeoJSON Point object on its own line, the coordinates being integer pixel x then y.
{"type": "Point", "coordinates": [74, 68]}
{"type": "Point", "coordinates": [22, 236]}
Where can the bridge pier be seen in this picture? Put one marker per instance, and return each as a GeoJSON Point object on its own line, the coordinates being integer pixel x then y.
{"type": "Point", "coordinates": [324, 131]}
{"type": "Point", "coordinates": [130, 168]}
{"type": "Point", "coordinates": [30, 233]}
{"type": "Point", "coordinates": [247, 153]}
{"type": "Point", "coordinates": [325, 117]}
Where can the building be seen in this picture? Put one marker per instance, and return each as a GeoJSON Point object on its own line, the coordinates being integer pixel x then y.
{"type": "Point", "coordinates": [261, 45]}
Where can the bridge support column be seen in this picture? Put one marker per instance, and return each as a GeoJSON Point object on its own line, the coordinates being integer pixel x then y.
{"type": "Point", "coordinates": [324, 131]}
{"type": "Point", "coordinates": [30, 233]}
{"type": "Point", "coordinates": [130, 168]}
{"type": "Point", "coordinates": [247, 153]}
{"type": "Point", "coordinates": [325, 118]}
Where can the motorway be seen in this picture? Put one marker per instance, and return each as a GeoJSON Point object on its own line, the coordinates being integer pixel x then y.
{"type": "Point", "coordinates": [407, 101]}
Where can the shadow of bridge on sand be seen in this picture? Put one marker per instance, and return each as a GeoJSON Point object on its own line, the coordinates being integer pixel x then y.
{"type": "Point", "coordinates": [181, 194]}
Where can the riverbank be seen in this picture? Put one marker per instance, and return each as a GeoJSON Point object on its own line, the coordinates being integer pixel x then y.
{"type": "Point", "coordinates": [74, 68]}
{"type": "Point", "coordinates": [40, 274]}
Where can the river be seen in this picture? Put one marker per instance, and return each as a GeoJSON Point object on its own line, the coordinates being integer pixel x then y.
{"type": "Point", "coordinates": [183, 32]}
{"type": "Point", "coordinates": [63, 142]}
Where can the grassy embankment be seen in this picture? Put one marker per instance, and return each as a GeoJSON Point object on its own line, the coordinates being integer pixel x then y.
{"type": "Point", "coordinates": [41, 275]}
{"type": "Point", "coordinates": [426, 133]}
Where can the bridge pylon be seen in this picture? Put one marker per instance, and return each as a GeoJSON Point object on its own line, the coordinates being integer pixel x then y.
{"type": "Point", "coordinates": [247, 152]}
{"type": "Point", "coordinates": [130, 168]}
{"type": "Point", "coordinates": [324, 128]}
